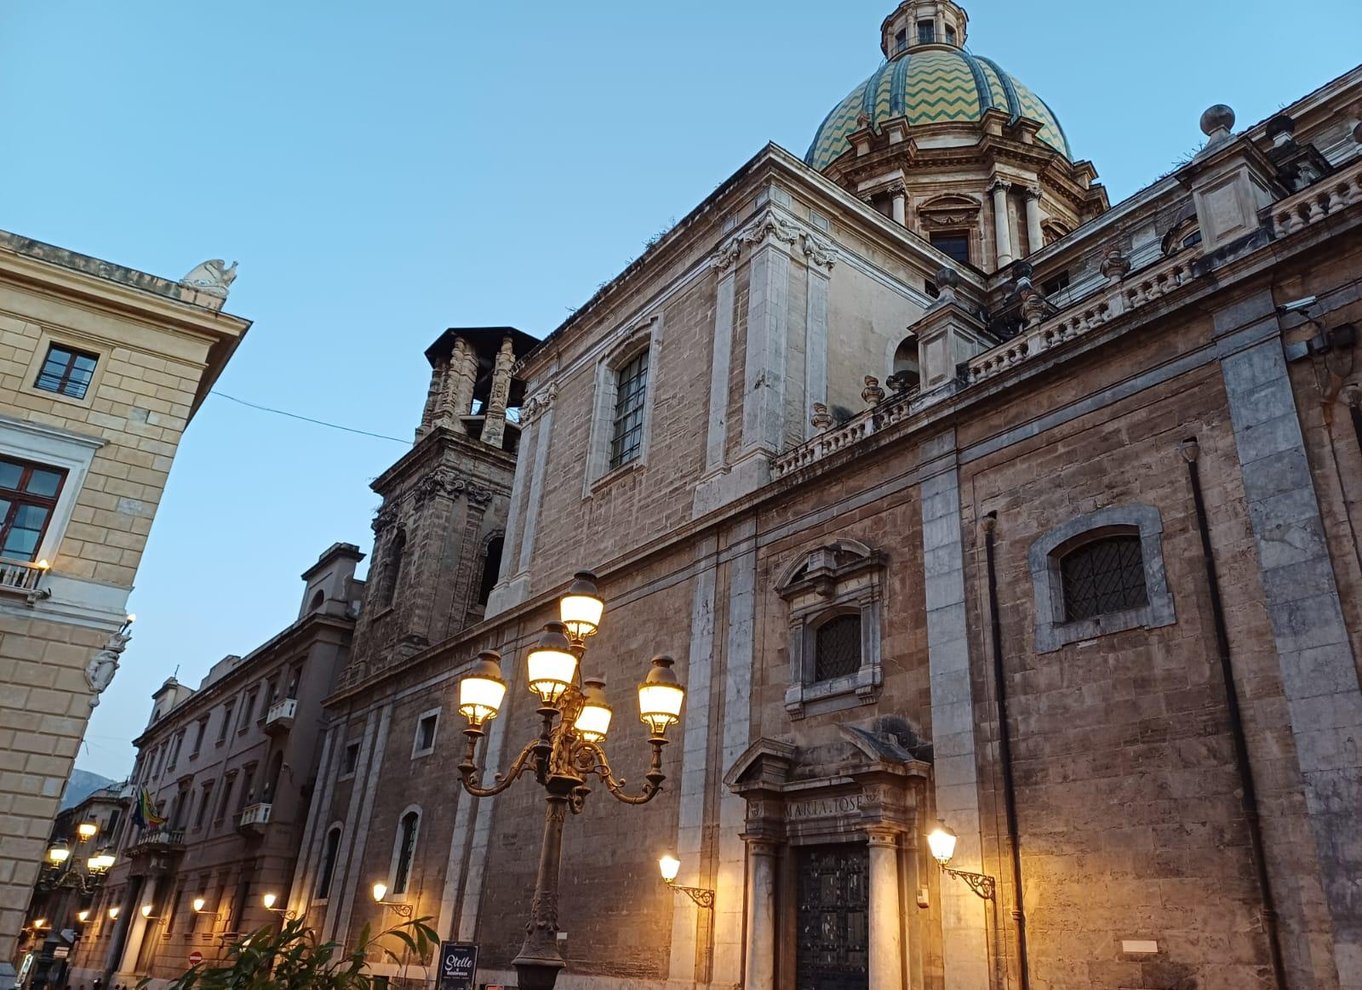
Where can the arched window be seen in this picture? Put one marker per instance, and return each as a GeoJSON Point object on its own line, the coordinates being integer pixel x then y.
{"type": "Point", "coordinates": [329, 849]}
{"type": "Point", "coordinates": [406, 849]}
{"type": "Point", "coordinates": [318, 600]}
{"type": "Point", "coordinates": [491, 568]}
{"type": "Point", "coordinates": [392, 568]}
{"type": "Point", "coordinates": [837, 647]}
{"type": "Point", "coordinates": [1103, 575]}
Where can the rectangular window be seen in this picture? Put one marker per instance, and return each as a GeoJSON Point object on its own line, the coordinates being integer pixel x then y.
{"type": "Point", "coordinates": [247, 709]}
{"type": "Point", "coordinates": [205, 802]}
{"type": "Point", "coordinates": [246, 795]}
{"type": "Point", "coordinates": [66, 372]}
{"type": "Point", "coordinates": [901, 40]}
{"type": "Point", "coordinates": [28, 495]}
{"type": "Point", "coordinates": [350, 761]}
{"type": "Point", "coordinates": [953, 245]}
{"type": "Point", "coordinates": [425, 734]}
{"type": "Point", "coordinates": [227, 710]}
{"type": "Point", "coordinates": [631, 387]}
{"type": "Point", "coordinates": [926, 32]}
{"type": "Point", "coordinates": [1055, 285]}
{"type": "Point", "coordinates": [200, 731]}
{"type": "Point", "coordinates": [226, 799]}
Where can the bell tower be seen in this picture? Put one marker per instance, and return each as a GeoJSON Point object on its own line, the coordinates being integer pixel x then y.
{"type": "Point", "coordinates": [439, 530]}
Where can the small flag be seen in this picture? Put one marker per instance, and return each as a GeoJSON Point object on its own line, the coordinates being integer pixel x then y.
{"type": "Point", "coordinates": [144, 812]}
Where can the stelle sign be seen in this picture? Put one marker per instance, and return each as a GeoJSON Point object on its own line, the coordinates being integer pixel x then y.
{"type": "Point", "coordinates": [458, 965]}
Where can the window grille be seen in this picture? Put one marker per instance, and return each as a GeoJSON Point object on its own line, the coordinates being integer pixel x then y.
{"type": "Point", "coordinates": [631, 386]}
{"type": "Point", "coordinates": [837, 648]}
{"type": "Point", "coordinates": [1106, 575]}
{"type": "Point", "coordinates": [66, 372]}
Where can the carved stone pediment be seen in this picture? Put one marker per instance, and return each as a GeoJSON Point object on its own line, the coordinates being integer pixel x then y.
{"type": "Point", "coordinates": [949, 211]}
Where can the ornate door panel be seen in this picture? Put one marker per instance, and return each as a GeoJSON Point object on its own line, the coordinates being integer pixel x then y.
{"type": "Point", "coordinates": [833, 923]}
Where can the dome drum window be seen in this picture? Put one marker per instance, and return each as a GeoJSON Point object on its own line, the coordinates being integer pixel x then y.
{"type": "Point", "coordinates": [835, 598]}
{"type": "Point", "coordinates": [1098, 574]}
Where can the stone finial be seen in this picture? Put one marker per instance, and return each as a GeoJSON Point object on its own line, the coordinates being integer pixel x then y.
{"type": "Point", "coordinates": [1280, 130]}
{"type": "Point", "coordinates": [1216, 123]}
{"type": "Point", "coordinates": [872, 394]}
{"type": "Point", "coordinates": [946, 281]}
{"type": "Point", "coordinates": [1115, 266]}
{"type": "Point", "coordinates": [820, 419]}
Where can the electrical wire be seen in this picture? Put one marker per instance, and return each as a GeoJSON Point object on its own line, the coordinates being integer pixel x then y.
{"type": "Point", "coordinates": [308, 419]}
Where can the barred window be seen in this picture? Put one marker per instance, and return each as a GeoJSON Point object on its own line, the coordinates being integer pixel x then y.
{"type": "Point", "coordinates": [926, 32]}
{"type": "Point", "coordinates": [1106, 575]}
{"type": "Point", "coordinates": [631, 386]}
{"type": "Point", "coordinates": [837, 648]}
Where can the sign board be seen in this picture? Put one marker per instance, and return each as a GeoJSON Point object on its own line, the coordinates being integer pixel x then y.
{"type": "Point", "coordinates": [458, 965]}
{"type": "Point", "coordinates": [61, 951]}
{"type": "Point", "coordinates": [195, 957]}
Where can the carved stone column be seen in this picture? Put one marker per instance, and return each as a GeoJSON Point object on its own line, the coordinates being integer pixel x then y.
{"type": "Point", "coordinates": [900, 203]}
{"type": "Point", "coordinates": [1035, 237]}
{"type": "Point", "coordinates": [457, 397]}
{"type": "Point", "coordinates": [761, 916]}
{"type": "Point", "coordinates": [886, 920]}
{"type": "Point", "coordinates": [494, 426]}
{"type": "Point", "coordinates": [1002, 227]}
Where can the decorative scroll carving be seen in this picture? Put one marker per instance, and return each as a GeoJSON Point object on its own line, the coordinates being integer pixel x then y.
{"type": "Point", "coordinates": [539, 403]}
{"type": "Point", "coordinates": [99, 672]}
{"type": "Point", "coordinates": [213, 278]}
{"type": "Point", "coordinates": [771, 226]}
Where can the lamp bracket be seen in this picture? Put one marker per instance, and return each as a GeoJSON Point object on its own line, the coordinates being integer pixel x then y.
{"type": "Point", "coordinates": [981, 883]}
{"type": "Point", "coordinates": [700, 895]}
{"type": "Point", "coordinates": [397, 907]}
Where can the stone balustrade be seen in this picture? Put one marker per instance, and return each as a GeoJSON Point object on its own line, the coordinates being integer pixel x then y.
{"type": "Point", "coordinates": [1323, 199]}
{"type": "Point", "coordinates": [892, 410]}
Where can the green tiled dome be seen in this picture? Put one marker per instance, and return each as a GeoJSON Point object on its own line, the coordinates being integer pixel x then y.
{"type": "Point", "coordinates": [931, 86]}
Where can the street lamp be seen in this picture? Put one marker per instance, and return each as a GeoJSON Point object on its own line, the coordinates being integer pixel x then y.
{"type": "Point", "coordinates": [941, 840]}
{"type": "Point", "coordinates": [113, 913]}
{"type": "Point", "coordinates": [574, 722]}
{"type": "Point", "coordinates": [83, 915]}
{"type": "Point", "coordinates": [87, 830]}
{"type": "Point", "coordinates": [269, 900]}
{"type": "Point", "coordinates": [670, 866]}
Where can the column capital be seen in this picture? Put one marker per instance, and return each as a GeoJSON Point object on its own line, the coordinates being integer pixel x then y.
{"type": "Point", "coordinates": [883, 835]}
{"type": "Point", "coordinates": [999, 184]}
{"type": "Point", "coordinates": [1032, 192]}
{"type": "Point", "coordinates": [760, 845]}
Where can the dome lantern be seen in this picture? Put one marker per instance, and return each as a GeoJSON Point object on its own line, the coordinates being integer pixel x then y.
{"type": "Point", "coordinates": [920, 23]}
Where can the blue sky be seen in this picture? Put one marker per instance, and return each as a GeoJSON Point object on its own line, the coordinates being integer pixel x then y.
{"type": "Point", "coordinates": [384, 170]}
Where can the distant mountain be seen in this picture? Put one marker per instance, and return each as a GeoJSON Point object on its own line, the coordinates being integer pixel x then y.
{"type": "Point", "coordinates": [82, 784]}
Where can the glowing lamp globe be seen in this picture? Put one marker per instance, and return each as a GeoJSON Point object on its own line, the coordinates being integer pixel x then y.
{"type": "Point", "coordinates": [481, 691]}
{"type": "Point", "coordinates": [113, 913]}
{"type": "Point", "coordinates": [268, 900]}
{"type": "Point", "coordinates": [942, 841]}
{"type": "Point", "coordinates": [58, 854]}
{"type": "Point", "coordinates": [199, 902]}
{"type": "Point", "coordinates": [87, 830]}
{"type": "Point", "coordinates": [551, 666]}
{"type": "Point", "coordinates": [670, 866]}
{"type": "Point", "coordinates": [581, 608]}
{"type": "Point", "coordinates": [593, 721]}
{"type": "Point", "coordinates": [83, 915]}
{"type": "Point", "coordinates": [146, 910]}
{"type": "Point", "coordinates": [660, 696]}
{"type": "Point", "coordinates": [101, 861]}
{"type": "Point", "coordinates": [380, 890]}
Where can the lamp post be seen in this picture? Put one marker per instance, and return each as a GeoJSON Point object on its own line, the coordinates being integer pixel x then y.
{"type": "Point", "coordinates": [574, 721]}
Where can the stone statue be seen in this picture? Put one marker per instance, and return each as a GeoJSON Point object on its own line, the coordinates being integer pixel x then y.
{"type": "Point", "coordinates": [99, 672]}
{"type": "Point", "coordinates": [214, 278]}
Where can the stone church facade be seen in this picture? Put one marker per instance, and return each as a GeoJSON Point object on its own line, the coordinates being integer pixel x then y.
{"type": "Point", "coordinates": [960, 495]}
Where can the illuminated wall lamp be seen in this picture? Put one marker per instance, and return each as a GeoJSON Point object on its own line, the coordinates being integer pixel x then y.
{"type": "Point", "coordinates": [380, 891]}
{"type": "Point", "coordinates": [942, 841]}
{"type": "Point", "coordinates": [670, 866]}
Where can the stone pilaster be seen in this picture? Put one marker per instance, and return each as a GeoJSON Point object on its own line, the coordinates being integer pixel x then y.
{"type": "Point", "coordinates": [760, 973]}
{"type": "Point", "coordinates": [494, 423]}
{"type": "Point", "coordinates": [963, 923]}
{"type": "Point", "coordinates": [1319, 671]}
{"type": "Point", "coordinates": [886, 915]}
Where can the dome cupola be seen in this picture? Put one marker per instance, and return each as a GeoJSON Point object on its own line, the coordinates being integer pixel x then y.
{"type": "Point", "coordinates": [919, 23]}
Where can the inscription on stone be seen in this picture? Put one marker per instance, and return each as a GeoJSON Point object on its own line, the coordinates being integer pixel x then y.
{"type": "Point", "coordinates": [831, 807]}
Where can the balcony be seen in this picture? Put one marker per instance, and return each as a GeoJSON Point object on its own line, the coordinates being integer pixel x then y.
{"type": "Point", "coordinates": [159, 848]}
{"type": "Point", "coordinates": [20, 578]}
{"type": "Point", "coordinates": [279, 718]}
{"type": "Point", "coordinates": [254, 819]}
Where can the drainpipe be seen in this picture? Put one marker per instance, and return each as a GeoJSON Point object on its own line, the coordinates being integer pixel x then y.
{"type": "Point", "coordinates": [1191, 451]}
{"type": "Point", "coordinates": [1005, 748]}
